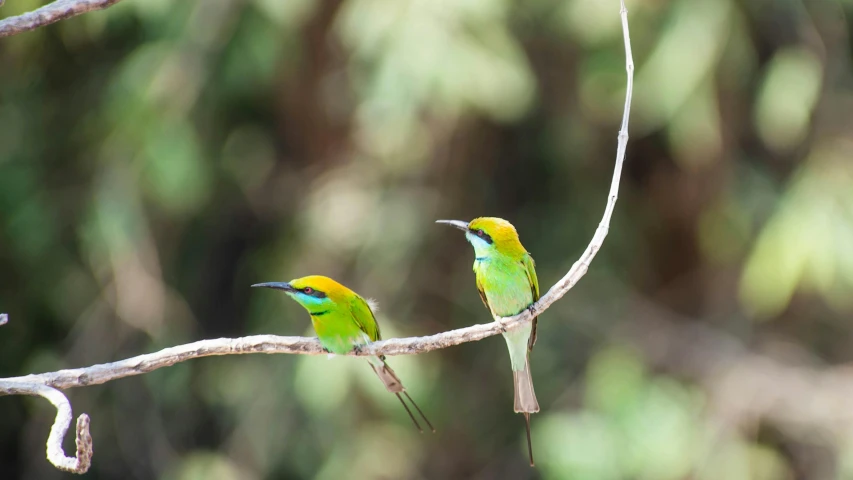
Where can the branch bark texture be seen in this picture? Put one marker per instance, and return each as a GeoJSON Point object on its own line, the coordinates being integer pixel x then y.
{"type": "Point", "coordinates": [50, 13]}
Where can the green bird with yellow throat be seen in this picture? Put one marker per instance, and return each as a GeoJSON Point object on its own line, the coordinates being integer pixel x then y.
{"type": "Point", "coordinates": [506, 279]}
{"type": "Point", "coordinates": [344, 321]}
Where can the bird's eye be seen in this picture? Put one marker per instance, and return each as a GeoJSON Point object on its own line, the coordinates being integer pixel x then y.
{"type": "Point", "coordinates": [479, 233]}
{"type": "Point", "coordinates": [308, 290]}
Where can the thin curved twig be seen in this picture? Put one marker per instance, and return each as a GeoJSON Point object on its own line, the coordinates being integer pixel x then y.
{"type": "Point", "coordinates": [78, 464]}
{"type": "Point", "coordinates": [50, 13]}
{"type": "Point", "coordinates": [46, 384]}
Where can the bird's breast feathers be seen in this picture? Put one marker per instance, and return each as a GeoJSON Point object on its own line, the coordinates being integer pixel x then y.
{"type": "Point", "coordinates": [505, 285]}
{"type": "Point", "coordinates": [337, 331]}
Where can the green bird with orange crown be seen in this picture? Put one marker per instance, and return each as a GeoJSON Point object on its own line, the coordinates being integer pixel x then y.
{"type": "Point", "coordinates": [344, 321]}
{"type": "Point", "coordinates": [506, 280]}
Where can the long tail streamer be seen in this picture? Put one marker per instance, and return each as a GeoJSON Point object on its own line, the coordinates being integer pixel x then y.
{"type": "Point", "coordinates": [419, 411]}
{"type": "Point", "coordinates": [417, 425]}
{"type": "Point", "coordinates": [529, 443]}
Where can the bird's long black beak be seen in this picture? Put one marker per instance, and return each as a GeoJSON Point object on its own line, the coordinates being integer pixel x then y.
{"type": "Point", "coordinates": [276, 285]}
{"type": "Point", "coordinates": [455, 223]}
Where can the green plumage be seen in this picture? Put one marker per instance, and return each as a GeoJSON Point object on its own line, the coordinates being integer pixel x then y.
{"type": "Point", "coordinates": [507, 285]}
{"type": "Point", "coordinates": [506, 279]}
{"type": "Point", "coordinates": [344, 321]}
{"type": "Point", "coordinates": [344, 326]}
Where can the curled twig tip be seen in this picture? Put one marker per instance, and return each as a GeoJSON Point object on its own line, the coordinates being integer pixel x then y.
{"type": "Point", "coordinates": [84, 444]}
{"type": "Point", "coordinates": [83, 459]}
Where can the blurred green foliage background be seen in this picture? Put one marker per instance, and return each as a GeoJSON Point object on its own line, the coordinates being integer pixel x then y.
{"type": "Point", "coordinates": [160, 156]}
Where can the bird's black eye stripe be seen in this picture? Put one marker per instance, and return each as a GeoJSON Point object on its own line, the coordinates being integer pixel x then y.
{"type": "Point", "coordinates": [313, 292]}
{"type": "Point", "coordinates": [485, 236]}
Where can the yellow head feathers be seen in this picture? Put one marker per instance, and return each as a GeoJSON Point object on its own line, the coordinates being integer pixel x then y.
{"type": "Point", "coordinates": [324, 285]}
{"type": "Point", "coordinates": [501, 232]}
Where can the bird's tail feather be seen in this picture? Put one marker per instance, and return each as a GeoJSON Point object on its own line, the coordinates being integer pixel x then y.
{"type": "Point", "coordinates": [525, 400]}
{"type": "Point", "coordinates": [394, 385]}
{"type": "Point", "coordinates": [389, 378]}
{"type": "Point", "coordinates": [529, 442]}
{"type": "Point", "coordinates": [417, 425]}
{"type": "Point", "coordinates": [525, 397]}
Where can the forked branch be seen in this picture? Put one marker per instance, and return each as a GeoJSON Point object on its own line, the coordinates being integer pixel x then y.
{"type": "Point", "coordinates": [46, 384]}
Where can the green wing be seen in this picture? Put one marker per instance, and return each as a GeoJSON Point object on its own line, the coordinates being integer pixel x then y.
{"type": "Point", "coordinates": [482, 292]}
{"type": "Point", "coordinates": [530, 268]}
{"type": "Point", "coordinates": [363, 317]}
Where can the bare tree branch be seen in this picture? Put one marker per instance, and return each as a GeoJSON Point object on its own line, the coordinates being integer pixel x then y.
{"type": "Point", "coordinates": [78, 464]}
{"type": "Point", "coordinates": [46, 384]}
{"type": "Point", "coordinates": [138, 365]}
{"type": "Point", "coordinates": [580, 267]}
{"type": "Point", "coordinates": [50, 13]}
